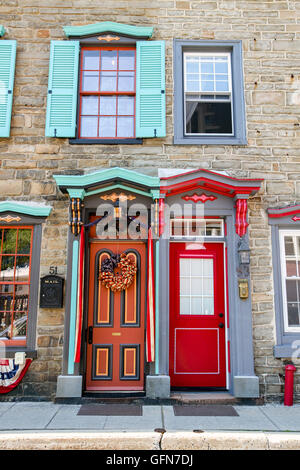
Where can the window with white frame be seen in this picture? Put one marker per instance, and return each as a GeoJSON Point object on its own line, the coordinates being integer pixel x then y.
{"type": "Point", "coordinates": [207, 93]}
{"type": "Point", "coordinates": [290, 273]}
{"type": "Point", "coordinates": [209, 103]}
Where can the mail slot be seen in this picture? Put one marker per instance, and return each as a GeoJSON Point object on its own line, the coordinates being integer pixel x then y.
{"type": "Point", "coordinates": [52, 292]}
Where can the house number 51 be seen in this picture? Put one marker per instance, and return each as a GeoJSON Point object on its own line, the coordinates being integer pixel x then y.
{"type": "Point", "coordinates": [53, 270]}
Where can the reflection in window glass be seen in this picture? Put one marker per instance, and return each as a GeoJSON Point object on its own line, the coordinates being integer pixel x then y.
{"type": "Point", "coordinates": [14, 282]}
{"type": "Point", "coordinates": [196, 286]}
{"type": "Point", "coordinates": [107, 93]}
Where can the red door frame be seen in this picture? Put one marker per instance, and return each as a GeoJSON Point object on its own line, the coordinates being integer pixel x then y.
{"type": "Point", "coordinates": [196, 324]}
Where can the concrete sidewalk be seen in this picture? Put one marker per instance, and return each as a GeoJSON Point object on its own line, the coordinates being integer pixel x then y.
{"type": "Point", "coordinates": [49, 425]}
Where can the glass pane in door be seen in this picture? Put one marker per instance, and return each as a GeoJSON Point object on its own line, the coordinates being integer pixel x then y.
{"type": "Point", "coordinates": [196, 286]}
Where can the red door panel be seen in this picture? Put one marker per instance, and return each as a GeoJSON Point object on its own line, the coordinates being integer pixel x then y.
{"type": "Point", "coordinates": [197, 316]}
{"type": "Point", "coordinates": [116, 324]}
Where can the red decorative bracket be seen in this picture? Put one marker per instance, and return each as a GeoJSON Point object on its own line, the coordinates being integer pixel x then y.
{"type": "Point", "coordinates": [295, 218]}
{"type": "Point", "coordinates": [241, 217]}
{"type": "Point", "coordinates": [196, 198]}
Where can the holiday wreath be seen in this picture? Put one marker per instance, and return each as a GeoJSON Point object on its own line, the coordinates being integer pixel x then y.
{"type": "Point", "coordinates": [121, 280]}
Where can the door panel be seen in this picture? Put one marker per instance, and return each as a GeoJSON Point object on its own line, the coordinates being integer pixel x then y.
{"type": "Point", "coordinates": [116, 324]}
{"type": "Point", "coordinates": [197, 316]}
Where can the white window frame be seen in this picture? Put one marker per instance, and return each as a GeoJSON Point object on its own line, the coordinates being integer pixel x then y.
{"type": "Point", "coordinates": [187, 220]}
{"type": "Point", "coordinates": [208, 93]}
{"type": "Point", "coordinates": [282, 235]}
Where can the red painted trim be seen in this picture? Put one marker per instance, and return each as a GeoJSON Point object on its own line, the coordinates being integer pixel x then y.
{"type": "Point", "coordinates": [295, 219]}
{"type": "Point", "coordinates": [228, 351]}
{"type": "Point", "coordinates": [284, 214]}
{"type": "Point", "coordinates": [196, 198]}
{"type": "Point", "coordinates": [241, 217]}
{"type": "Point", "coordinates": [212, 173]}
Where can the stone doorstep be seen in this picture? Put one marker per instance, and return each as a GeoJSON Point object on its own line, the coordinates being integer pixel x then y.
{"type": "Point", "coordinates": [176, 398]}
{"type": "Point", "coordinates": [207, 440]}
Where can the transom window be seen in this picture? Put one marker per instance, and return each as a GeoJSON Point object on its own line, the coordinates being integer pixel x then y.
{"type": "Point", "coordinates": [290, 265]}
{"type": "Point", "coordinates": [196, 286]}
{"type": "Point", "coordinates": [188, 228]}
{"type": "Point", "coordinates": [107, 93]}
{"type": "Point", "coordinates": [15, 264]}
{"type": "Point", "coordinates": [207, 93]}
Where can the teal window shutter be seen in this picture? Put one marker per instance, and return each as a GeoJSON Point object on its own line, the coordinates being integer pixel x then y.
{"type": "Point", "coordinates": [150, 89]}
{"type": "Point", "coordinates": [62, 89]}
{"type": "Point", "coordinates": [7, 74]}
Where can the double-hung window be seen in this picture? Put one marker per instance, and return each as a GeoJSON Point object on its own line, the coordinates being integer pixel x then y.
{"type": "Point", "coordinates": [107, 93]}
{"type": "Point", "coordinates": [208, 93]}
{"type": "Point", "coordinates": [108, 87]}
{"type": "Point", "coordinates": [290, 276]}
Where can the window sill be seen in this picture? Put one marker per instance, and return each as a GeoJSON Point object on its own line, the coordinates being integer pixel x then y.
{"type": "Point", "coordinates": [209, 141]}
{"type": "Point", "coordinates": [105, 141]}
{"type": "Point", "coordinates": [286, 350]}
{"type": "Point", "coordinates": [11, 350]}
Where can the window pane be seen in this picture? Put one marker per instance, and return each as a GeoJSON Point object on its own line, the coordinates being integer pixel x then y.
{"type": "Point", "coordinates": [90, 81]}
{"type": "Point", "coordinates": [108, 81]}
{"type": "Point", "coordinates": [207, 67]}
{"type": "Point", "coordinates": [126, 60]}
{"type": "Point", "coordinates": [89, 126]}
{"type": "Point", "coordinates": [126, 81]}
{"type": "Point", "coordinates": [221, 67]}
{"type": "Point", "coordinates": [22, 269]}
{"type": "Point", "coordinates": [9, 241]}
{"type": "Point", "coordinates": [91, 60]}
{"type": "Point", "coordinates": [208, 306]}
{"type": "Point", "coordinates": [89, 105]}
{"type": "Point", "coordinates": [184, 286]}
{"type": "Point", "coordinates": [125, 105]}
{"type": "Point", "coordinates": [192, 65]}
{"type": "Point", "coordinates": [207, 86]}
{"type": "Point", "coordinates": [291, 291]}
{"type": "Point", "coordinates": [196, 286]}
{"type": "Point", "coordinates": [289, 246]}
{"type": "Point", "coordinates": [19, 325]}
{"type": "Point", "coordinates": [222, 86]}
{"type": "Point", "coordinates": [196, 306]}
{"type": "Point", "coordinates": [125, 127]}
{"type": "Point", "coordinates": [7, 268]}
{"type": "Point", "coordinates": [24, 241]}
{"type": "Point", "coordinates": [293, 314]}
{"type": "Point", "coordinates": [208, 118]}
{"type": "Point", "coordinates": [196, 266]}
{"type": "Point", "coordinates": [185, 267]}
{"type": "Point", "coordinates": [107, 127]}
{"type": "Point", "coordinates": [21, 298]}
{"type": "Point", "coordinates": [108, 105]}
{"type": "Point", "coordinates": [291, 268]}
{"type": "Point", "coordinates": [108, 60]}
{"type": "Point", "coordinates": [184, 305]}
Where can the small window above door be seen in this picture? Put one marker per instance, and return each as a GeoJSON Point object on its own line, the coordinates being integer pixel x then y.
{"type": "Point", "coordinates": [199, 228]}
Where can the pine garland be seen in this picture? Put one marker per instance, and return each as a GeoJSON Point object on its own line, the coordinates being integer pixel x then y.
{"type": "Point", "coordinates": [120, 281]}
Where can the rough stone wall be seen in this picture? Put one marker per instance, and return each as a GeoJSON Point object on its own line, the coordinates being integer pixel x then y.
{"type": "Point", "coordinates": [270, 31]}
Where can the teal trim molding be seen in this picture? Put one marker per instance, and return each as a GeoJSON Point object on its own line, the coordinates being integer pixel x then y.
{"type": "Point", "coordinates": [2, 30]}
{"type": "Point", "coordinates": [114, 175]}
{"type": "Point", "coordinates": [73, 307]}
{"type": "Point", "coordinates": [76, 193]}
{"type": "Point", "coordinates": [38, 210]}
{"type": "Point", "coordinates": [108, 27]}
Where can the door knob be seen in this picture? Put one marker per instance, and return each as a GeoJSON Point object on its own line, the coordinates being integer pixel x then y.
{"type": "Point", "coordinates": [221, 315]}
{"type": "Point", "coordinates": [90, 335]}
{"type": "Point", "coordinates": [221, 325]}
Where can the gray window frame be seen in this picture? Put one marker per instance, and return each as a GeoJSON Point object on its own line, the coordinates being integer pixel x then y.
{"type": "Point", "coordinates": [284, 339]}
{"type": "Point", "coordinates": [238, 102]}
{"type": "Point", "coordinates": [36, 223]}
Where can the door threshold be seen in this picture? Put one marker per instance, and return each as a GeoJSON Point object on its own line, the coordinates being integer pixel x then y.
{"type": "Point", "coordinates": [114, 394]}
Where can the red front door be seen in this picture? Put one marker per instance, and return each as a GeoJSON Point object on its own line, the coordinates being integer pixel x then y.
{"type": "Point", "coordinates": [116, 324]}
{"type": "Point", "coordinates": [197, 316]}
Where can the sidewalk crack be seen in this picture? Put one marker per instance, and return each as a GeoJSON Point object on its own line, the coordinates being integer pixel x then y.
{"type": "Point", "coordinates": [271, 421]}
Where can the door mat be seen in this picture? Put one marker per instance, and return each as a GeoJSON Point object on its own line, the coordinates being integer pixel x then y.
{"type": "Point", "coordinates": [204, 410]}
{"type": "Point", "coordinates": [110, 410]}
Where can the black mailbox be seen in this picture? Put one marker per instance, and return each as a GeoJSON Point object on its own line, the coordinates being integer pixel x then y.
{"type": "Point", "coordinates": [52, 292]}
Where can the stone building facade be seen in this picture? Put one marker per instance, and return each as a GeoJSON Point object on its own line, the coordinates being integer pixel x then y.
{"type": "Point", "coordinates": [269, 35]}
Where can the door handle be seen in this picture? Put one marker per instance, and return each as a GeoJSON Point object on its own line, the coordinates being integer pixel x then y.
{"type": "Point", "coordinates": [221, 325]}
{"type": "Point", "coordinates": [90, 335]}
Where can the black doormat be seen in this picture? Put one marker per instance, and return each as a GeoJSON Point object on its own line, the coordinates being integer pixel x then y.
{"type": "Point", "coordinates": [204, 410]}
{"type": "Point", "coordinates": [110, 410]}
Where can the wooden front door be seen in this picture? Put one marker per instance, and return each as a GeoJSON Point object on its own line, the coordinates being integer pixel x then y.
{"type": "Point", "coordinates": [197, 316]}
{"type": "Point", "coordinates": [116, 324]}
